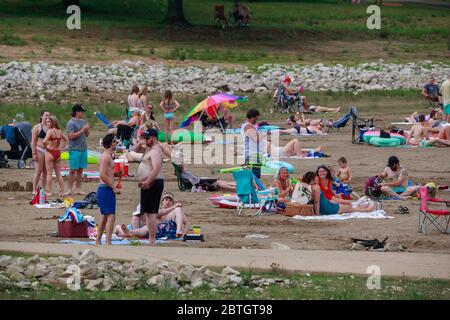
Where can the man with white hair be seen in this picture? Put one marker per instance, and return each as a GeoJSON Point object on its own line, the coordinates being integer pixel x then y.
{"type": "Point", "coordinates": [445, 92]}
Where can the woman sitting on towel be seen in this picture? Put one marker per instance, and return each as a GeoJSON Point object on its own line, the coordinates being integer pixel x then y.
{"type": "Point", "coordinates": [283, 182]}
{"type": "Point", "coordinates": [325, 181]}
{"type": "Point", "coordinates": [309, 129]}
{"type": "Point", "coordinates": [323, 206]}
{"type": "Point", "coordinates": [172, 222]}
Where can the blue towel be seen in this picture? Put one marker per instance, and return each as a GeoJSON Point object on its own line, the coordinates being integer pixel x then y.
{"type": "Point", "coordinates": [7, 132]}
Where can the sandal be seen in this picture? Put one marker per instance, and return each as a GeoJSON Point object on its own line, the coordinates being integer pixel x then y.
{"type": "Point", "coordinates": [402, 210]}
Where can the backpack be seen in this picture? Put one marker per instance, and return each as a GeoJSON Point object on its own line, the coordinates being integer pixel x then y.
{"type": "Point", "coordinates": [302, 193]}
{"type": "Point", "coordinates": [89, 201]}
{"type": "Point", "coordinates": [371, 188]}
{"type": "Point", "coordinates": [384, 134]}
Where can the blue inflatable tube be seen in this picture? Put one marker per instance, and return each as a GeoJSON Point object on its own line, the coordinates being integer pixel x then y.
{"type": "Point", "coordinates": [278, 164]}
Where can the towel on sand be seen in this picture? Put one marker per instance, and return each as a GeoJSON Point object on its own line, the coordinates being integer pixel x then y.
{"type": "Point", "coordinates": [377, 214]}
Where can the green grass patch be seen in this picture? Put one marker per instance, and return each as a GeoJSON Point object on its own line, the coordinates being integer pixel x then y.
{"type": "Point", "coordinates": [315, 286]}
{"type": "Point", "coordinates": [8, 38]}
{"type": "Point", "coordinates": [49, 40]}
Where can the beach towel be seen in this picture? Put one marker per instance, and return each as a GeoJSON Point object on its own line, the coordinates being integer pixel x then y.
{"type": "Point", "coordinates": [52, 205]}
{"type": "Point", "coordinates": [377, 214]}
{"type": "Point", "coordinates": [114, 242]}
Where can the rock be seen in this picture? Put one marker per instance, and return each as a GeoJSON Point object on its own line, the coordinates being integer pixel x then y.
{"type": "Point", "coordinates": [23, 285]}
{"type": "Point", "coordinates": [279, 246]}
{"type": "Point", "coordinates": [108, 284]}
{"type": "Point", "coordinates": [197, 282]}
{"type": "Point", "coordinates": [186, 273]}
{"type": "Point", "coordinates": [246, 87]}
{"type": "Point", "coordinates": [94, 285]}
{"type": "Point", "coordinates": [5, 261]}
{"type": "Point", "coordinates": [34, 260]}
{"type": "Point", "coordinates": [155, 281]}
{"type": "Point", "coordinates": [57, 283]}
{"type": "Point", "coordinates": [88, 256]}
{"type": "Point", "coordinates": [235, 279]}
{"type": "Point", "coordinates": [230, 271]}
{"type": "Point", "coordinates": [132, 282]}
{"type": "Point", "coordinates": [87, 270]}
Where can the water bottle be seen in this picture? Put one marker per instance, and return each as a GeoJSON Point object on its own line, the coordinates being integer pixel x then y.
{"type": "Point", "coordinates": [14, 122]}
{"type": "Point", "coordinates": [41, 196]}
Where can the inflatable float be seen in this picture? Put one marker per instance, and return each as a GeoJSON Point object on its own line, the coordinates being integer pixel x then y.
{"type": "Point", "coordinates": [384, 142]}
{"type": "Point", "coordinates": [93, 156]}
{"type": "Point", "coordinates": [371, 134]}
{"type": "Point", "coordinates": [216, 198]}
{"type": "Point", "coordinates": [182, 136]}
{"type": "Point", "coordinates": [270, 167]}
{"type": "Point", "coordinates": [266, 128]}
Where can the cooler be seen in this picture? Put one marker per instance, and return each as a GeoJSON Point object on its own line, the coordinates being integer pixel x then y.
{"type": "Point", "coordinates": [71, 229]}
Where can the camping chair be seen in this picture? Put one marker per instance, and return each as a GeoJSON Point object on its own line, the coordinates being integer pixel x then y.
{"type": "Point", "coordinates": [439, 219]}
{"type": "Point", "coordinates": [342, 122]}
{"type": "Point", "coordinates": [249, 197]}
{"type": "Point", "coordinates": [209, 123]}
{"type": "Point", "coordinates": [183, 184]}
{"type": "Point", "coordinates": [359, 127]}
{"type": "Point", "coordinates": [283, 101]}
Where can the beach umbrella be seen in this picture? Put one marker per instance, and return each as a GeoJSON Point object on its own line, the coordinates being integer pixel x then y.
{"type": "Point", "coordinates": [210, 106]}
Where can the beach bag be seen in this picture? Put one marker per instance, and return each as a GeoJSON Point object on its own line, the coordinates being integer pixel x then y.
{"type": "Point", "coordinates": [384, 134]}
{"type": "Point", "coordinates": [302, 193]}
{"type": "Point", "coordinates": [371, 188]}
{"type": "Point", "coordinates": [88, 202]}
{"type": "Point", "coordinates": [297, 209]}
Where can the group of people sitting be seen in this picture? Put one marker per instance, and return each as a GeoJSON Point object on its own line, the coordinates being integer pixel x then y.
{"type": "Point", "coordinates": [285, 97]}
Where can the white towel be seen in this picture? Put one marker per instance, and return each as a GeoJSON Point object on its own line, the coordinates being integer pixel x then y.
{"type": "Point", "coordinates": [377, 214]}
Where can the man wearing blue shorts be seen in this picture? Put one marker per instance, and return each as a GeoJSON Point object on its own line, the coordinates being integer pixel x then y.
{"type": "Point", "coordinates": [77, 131]}
{"type": "Point", "coordinates": [106, 192]}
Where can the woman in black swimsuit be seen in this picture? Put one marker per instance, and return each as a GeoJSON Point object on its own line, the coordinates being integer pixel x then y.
{"type": "Point", "coordinates": [38, 149]}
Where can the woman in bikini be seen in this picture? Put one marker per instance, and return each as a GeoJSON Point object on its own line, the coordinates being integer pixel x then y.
{"type": "Point", "coordinates": [283, 183]}
{"type": "Point", "coordinates": [54, 146]}
{"type": "Point", "coordinates": [310, 129]}
{"type": "Point", "coordinates": [169, 105]}
{"type": "Point", "coordinates": [38, 149]}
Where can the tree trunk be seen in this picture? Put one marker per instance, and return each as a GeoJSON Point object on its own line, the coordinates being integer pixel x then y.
{"type": "Point", "coordinates": [175, 13]}
{"type": "Point", "coordinates": [71, 2]}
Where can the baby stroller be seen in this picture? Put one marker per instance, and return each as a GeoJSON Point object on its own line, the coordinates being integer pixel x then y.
{"type": "Point", "coordinates": [19, 138]}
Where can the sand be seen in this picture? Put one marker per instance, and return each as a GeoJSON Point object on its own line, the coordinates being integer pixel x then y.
{"type": "Point", "coordinates": [224, 228]}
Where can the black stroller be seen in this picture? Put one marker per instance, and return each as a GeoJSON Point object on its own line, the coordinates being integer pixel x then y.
{"type": "Point", "coordinates": [19, 138]}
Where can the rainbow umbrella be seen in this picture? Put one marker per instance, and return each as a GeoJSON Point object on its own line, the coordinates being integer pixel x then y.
{"type": "Point", "coordinates": [210, 106]}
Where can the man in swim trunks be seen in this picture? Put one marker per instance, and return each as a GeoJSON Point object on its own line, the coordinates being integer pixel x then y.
{"type": "Point", "coordinates": [150, 179]}
{"type": "Point", "coordinates": [106, 192]}
{"type": "Point", "coordinates": [418, 132]}
{"type": "Point", "coordinates": [77, 132]}
{"type": "Point", "coordinates": [397, 185]}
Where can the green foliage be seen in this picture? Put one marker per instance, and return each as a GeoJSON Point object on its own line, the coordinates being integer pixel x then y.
{"type": "Point", "coordinates": [42, 39]}
{"type": "Point", "coordinates": [8, 38]}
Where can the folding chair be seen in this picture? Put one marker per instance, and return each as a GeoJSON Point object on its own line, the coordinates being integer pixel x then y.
{"type": "Point", "coordinates": [183, 184]}
{"type": "Point", "coordinates": [359, 127]}
{"type": "Point", "coordinates": [342, 122]}
{"type": "Point", "coordinates": [429, 219]}
{"type": "Point", "coordinates": [249, 197]}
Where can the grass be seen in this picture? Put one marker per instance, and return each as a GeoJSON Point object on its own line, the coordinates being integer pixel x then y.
{"type": "Point", "coordinates": [281, 31]}
{"type": "Point", "coordinates": [315, 286]}
{"type": "Point", "coordinates": [8, 38]}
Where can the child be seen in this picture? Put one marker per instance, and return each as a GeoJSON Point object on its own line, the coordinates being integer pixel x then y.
{"type": "Point", "coordinates": [344, 174]}
{"type": "Point", "coordinates": [106, 192]}
{"type": "Point", "coordinates": [169, 105]}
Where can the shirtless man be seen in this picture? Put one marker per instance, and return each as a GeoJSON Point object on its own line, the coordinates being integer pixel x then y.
{"type": "Point", "coordinates": [106, 192]}
{"type": "Point", "coordinates": [443, 138]}
{"type": "Point", "coordinates": [418, 132]}
{"type": "Point", "coordinates": [150, 179]}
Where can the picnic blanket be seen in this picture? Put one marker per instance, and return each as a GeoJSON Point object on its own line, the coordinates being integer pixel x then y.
{"type": "Point", "coordinates": [377, 214]}
{"type": "Point", "coordinates": [52, 205]}
{"type": "Point", "coordinates": [114, 242]}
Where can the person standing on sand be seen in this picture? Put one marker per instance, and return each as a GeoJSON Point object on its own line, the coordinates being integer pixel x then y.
{"type": "Point", "coordinates": [38, 150]}
{"type": "Point", "coordinates": [150, 179]}
{"type": "Point", "coordinates": [77, 131]}
{"type": "Point", "coordinates": [445, 91]}
{"type": "Point", "coordinates": [106, 192]}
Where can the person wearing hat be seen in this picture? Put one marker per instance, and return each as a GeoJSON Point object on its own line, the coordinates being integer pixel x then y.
{"type": "Point", "coordinates": [172, 222]}
{"type": "Point", "coordinates": [397, 184]}
{"type": "Point", "coordinates": [77, 131]}
{"type": "Point", "coordinates": [150, 178]}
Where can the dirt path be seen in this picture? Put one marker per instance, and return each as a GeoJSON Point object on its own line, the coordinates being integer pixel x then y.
{"type": "Point", "coordinates": [423, 265]}
{"type": "Point", "coordinates": [433, 3]}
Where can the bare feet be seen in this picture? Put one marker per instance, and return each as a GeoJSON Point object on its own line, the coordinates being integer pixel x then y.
{"type": "Point", "coordinates": [68, 193]}
{"type": "Point", "coordinates": [125, 230]}
{"type": "Point", "coordinates": [81, 193]}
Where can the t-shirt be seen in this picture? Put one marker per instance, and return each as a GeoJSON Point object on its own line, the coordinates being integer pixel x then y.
{"type": "Point", "coordinates": [445, 89]}
{"type": "Point", "coordinates": [75, 125]}
{"type": "Point", "coordinates": [393, 176]}
{"type": "Point", "coordinates": [432, 89]}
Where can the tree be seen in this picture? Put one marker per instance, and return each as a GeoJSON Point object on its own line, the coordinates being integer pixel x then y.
{"type": "Point", "coordinates": [71, 2]}
{"type": "Point", "coordinates": [175, 14]}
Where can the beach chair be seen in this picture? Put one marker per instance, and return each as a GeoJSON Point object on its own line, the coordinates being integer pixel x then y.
{"type": "Point", "coordinates": [342, 122]}
{"type": "Point", "coordinates": [430, 219]}
{"type": "Point", "coordinates": [359, 127]}
{"type": "Point", "coordinates": [183, 184]}
{"type": "Point", "coordinates": [249, 197]}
